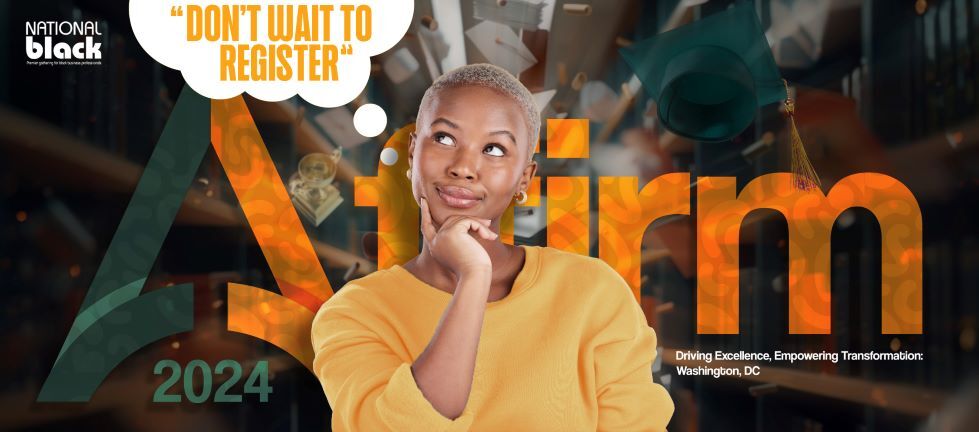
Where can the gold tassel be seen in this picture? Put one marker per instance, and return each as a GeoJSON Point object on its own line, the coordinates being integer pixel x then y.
{"type": "Point", "coordinates": [804, 175]}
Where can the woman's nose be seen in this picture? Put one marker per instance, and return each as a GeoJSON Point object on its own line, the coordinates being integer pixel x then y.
{"type": "Point", "coordinates": [463, 166]}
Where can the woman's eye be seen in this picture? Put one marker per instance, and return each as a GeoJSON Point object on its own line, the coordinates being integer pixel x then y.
{"type": "Point", "coordinates": [444, 139]}
{"type": "Point", "coordinates": [494, 150]}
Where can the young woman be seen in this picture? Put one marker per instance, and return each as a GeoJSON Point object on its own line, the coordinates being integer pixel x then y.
{"type": "Point", "coordinates": [473, 333]}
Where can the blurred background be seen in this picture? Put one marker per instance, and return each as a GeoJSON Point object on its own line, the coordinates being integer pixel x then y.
{"type": "Point", "coordinates": [882, 85]}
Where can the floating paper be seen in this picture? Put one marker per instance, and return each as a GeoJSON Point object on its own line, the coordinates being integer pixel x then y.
{"type": "Point", "coordinates": [400, 65]}
{"type": "Point", "coordinates": [338, 123]}
{"type": "Point", "coordinates": [543, 98]}
{"type": "Point", "coordinates": [797, 30]}
{"type": "Point", "coordinates": [547, 14]}
{"type": "Point", "coordinates": [501, 46]}
{"type": "Point", "coordinates": [522, 14]}
{"type": "Point", "coordinates": [435, 41]}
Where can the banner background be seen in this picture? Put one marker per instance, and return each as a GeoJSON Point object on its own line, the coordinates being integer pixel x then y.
{"type": "Point", "coordinates": [881, 86]}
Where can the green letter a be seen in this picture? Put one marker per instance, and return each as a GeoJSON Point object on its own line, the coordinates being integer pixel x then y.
{"type": "Point", "coordinates": [115, 320]}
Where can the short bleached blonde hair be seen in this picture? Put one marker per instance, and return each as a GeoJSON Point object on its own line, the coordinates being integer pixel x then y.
{"type": "Point", "coordinates": [494, 78]}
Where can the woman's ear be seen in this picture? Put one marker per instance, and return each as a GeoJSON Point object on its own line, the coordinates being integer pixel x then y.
{"type": "Point", "coordinates": [411, 148]}
{"type": "Point", "coordinates": [528, 174]}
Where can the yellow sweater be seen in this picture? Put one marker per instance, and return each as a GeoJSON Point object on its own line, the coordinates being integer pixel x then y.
{"type": "Point", "coordinates": [567, 350]}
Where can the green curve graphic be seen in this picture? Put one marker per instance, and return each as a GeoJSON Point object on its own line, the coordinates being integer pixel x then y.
{"type": "Point", "coordinates": [115, 319]}
{"type": "Point", "coordinates": [101, 308]}
{"type": "Point", "coordinates": [99, 348]}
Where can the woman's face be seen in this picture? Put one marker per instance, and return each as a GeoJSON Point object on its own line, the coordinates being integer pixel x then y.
{"type": "Point", "coordinates": [470, 153]}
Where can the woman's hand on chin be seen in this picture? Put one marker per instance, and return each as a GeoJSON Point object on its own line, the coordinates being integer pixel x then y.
{"type": "Point", "coordinates": [454, 244]}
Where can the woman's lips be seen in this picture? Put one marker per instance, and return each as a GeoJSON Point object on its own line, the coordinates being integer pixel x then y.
{"type": "Point", "coordinates": [457, 197]}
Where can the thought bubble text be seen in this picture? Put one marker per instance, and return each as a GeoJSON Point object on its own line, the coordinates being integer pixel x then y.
{"type": "Point", "coordinates": [271, 49]}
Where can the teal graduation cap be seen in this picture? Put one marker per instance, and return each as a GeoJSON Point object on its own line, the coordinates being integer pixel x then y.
{"type": "Point", "coordinates": [710, 76]}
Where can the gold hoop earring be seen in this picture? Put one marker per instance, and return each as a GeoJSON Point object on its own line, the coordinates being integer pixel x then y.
{"type": "Point", "coordinates": [408, 173]}
{"type": "Point", "coordinates": [521, 197]}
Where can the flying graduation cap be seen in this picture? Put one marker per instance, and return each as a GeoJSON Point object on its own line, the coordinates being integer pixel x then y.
{"type": "Point", "coordinates": [710, 76]}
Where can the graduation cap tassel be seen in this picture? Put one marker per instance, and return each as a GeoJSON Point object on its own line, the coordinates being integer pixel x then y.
{"type": "Point", "coordinates": [803, 174]}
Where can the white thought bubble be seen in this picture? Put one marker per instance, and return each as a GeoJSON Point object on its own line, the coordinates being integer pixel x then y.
{"type": "Point", "coordinates": [271, 49]}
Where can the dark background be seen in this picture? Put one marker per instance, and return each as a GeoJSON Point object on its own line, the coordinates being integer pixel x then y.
{"type": "Point", "coordinates": [883, 85]}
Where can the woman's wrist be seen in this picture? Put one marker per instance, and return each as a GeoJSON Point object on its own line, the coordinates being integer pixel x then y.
{"type": "Point", "coordinates": [477, 279]}
{"type": "Point", "coordinates": [475, 274]}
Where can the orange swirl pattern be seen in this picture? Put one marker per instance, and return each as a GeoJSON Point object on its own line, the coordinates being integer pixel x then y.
{"type": "Point", "coordinates": [624, 213]}
{"type": "Point", "coordinates": [397, 211]}
{"type": "Point", "coordinates": [567, 138]}
{"type": "Point", "coordinates": [273, 318]}
{"type": "Point", "coordinates": [567, 197]}
{"type": "Point", "coordinates": [286, 319]}
{"type": "Point", "coordinates": [567, 214]}
{"type": "Point", "coordinates": [810, 216]}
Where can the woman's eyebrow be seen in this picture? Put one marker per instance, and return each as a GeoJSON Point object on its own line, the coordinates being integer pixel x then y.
{"type": "Point", "coordinates": [505, 132]}
{"type": "Point", "coordinates": [455, 126]}
{"type": "Point", "coordinates": [448, 123]}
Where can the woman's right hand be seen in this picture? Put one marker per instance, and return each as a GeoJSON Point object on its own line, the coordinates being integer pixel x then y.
{"type": "Point", "coordinates": [453, 244]}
